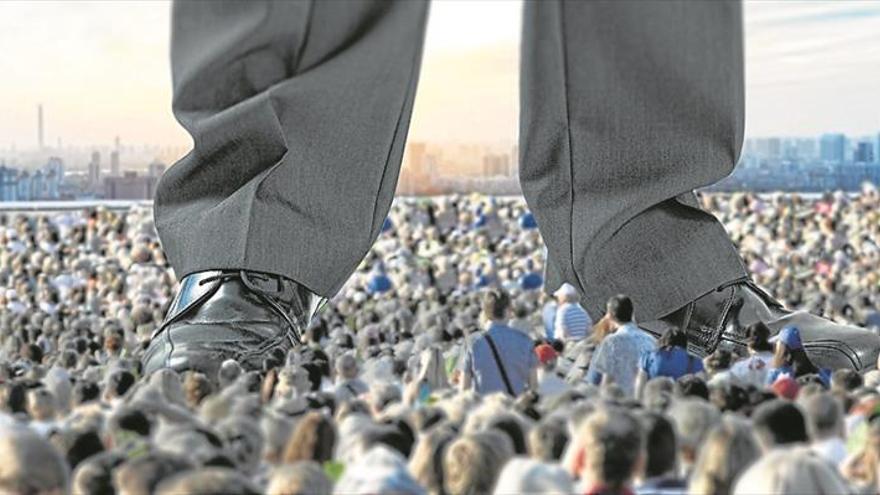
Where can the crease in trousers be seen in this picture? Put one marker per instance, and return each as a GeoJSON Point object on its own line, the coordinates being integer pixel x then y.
{"type": "Point", "coordinates": [299, 110]}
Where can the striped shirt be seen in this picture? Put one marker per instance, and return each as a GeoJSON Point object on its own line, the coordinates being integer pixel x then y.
{"type": "Point", "coordinates": [572, 322]}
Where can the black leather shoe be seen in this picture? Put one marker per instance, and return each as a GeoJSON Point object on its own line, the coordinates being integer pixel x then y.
{"type": "Point", "coordinates": [248, 316]}
{"type": "Point", "coordinates": [721, 317]}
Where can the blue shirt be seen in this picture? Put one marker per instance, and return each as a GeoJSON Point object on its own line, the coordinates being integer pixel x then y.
{"type": "Point", "coordinates": [517, 353]}
{"type": "Point", "coordinates": [531, 281]}
{"type": "Point", "coordinates": [674, 363]}
{"type": "Point", "coordinates": [619, 356]}
{"type": "Point", "coordinates": [527, 221]}
{"type": "Point", "coordinates": [378, 284]}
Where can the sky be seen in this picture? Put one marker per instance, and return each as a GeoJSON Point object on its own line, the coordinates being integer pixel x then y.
{"type": "Point", "coordinates": [101, 69]}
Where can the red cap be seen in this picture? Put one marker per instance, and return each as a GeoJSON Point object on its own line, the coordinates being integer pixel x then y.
{"type": "Point", "coordinates": [786, 387]}
{"type": "Point", "coordinates": [546, 353]}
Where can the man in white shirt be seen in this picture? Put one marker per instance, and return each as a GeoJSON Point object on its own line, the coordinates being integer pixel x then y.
{"type": "Point", "coordinates": [572, 322]}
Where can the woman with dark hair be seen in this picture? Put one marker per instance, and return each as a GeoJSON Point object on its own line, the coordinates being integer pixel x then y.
{"type": "Point", "coordinates": [791, 359]}
{"type": "Point", "coordinates": [671, 359]}
{"type": "Point", "coordinates": [752, 370]}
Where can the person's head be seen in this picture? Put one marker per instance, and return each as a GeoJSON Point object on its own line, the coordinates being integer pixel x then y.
{"type": "Point", "coordinates": [244, 441]}
{"type": "Point", "coordinates": [547, 356]}
{"type": "Point", "coordinates": [382, 395]}
{"type": "Point", "coordinates": [846, 380]}
{"type": "Point", "coordinates": [95, 474]}
{"type": "Point", "coordinates": [472, 463]}
{"type": "Point", "coordinates": [29, 464]}
{"type": "Point", "coordinates": [548, 439]}
{"type": "Point", "coordinates": [779, 422]}
{"type": "Point", "coordinates": [313, 439]}
{"type": "Point", "coordinates": [658, 393]}
{"type": "Point", "coordinates": [522, 475]}
{"type": "Point", "coordinates": [756, 337]}
{"type": "Point", "coordinates": [300, 478]}
{"type": "Point", "coordinates": [41, 404]}
{"type": "Point", "coordinates": [609, 448]}
{"type": "Point", "coordinates": [207, 480]}
{"type": "Point", "coordinates": [426, 464]}
{"type": "Point", "coordinates": [118, 383]}
{"type": "Point", "coordinates": [141, 474]}
{"type": "Point", "coordinates": [347, 367]}
{"type": "Point", "coordinates": [496, 305]}
{"type": "Point", "coordinates": [728, 450]}
{"type": "Point", "coordinates": [824, 415]}
{"type": "Point", "coordinates": [620, 309]}
{"type": "Point", "coordinates": [790, 352]}
{"type": "Point", "coordinates": [660, 451]}
{"type": "Point", "coordinates": [566, 293]}
{"type": "Point", "coordinates": [718, 361]}
{"type": "Point", "coordinates": [673, 337]}
{"type": "Point", "coordinates": [791, 471]}
{"type": "Point", "coordinates": [692, 386]}
{"type": "Point", "coordinates": [693, 418]}
{"type": "Point", "coordinates": [196, 386]}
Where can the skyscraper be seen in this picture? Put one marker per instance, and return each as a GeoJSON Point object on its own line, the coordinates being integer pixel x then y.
{"type": "Point", "coordinates": [864, 153]}
{"type": "Point", "coordinates": [95, 169]}
{"type": "Point", "coordinates": [40, 134]}
{"type": "Point", "coordinates": [832, 148]}
{"type": "Point", "coordinates": [114, 158]}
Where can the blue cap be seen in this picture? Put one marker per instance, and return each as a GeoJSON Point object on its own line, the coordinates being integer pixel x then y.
{"type": "Point", "coordinates": [790, 336]}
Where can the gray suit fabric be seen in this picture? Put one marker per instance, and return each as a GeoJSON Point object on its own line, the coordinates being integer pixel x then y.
{"type": "Point", "coordinates": [299, 112]}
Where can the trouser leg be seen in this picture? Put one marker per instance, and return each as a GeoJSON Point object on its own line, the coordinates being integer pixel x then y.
{"type": "Point", "coordinates": [627, 107]}
{"type": "Point", "coordinates": [298, 111]}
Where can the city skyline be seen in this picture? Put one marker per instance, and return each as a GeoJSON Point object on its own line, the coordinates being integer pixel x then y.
{"type": "Point", "coordinates": [100, 69]}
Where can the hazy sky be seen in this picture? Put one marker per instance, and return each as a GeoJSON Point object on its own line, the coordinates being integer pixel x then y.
{"type": "Point", "coordinates": [101, 69]}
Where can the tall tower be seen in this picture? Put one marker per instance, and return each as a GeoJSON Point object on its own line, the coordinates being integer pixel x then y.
{"type": "Point", "coordinates": [114, 159]}
{"type": "Point", "coordinates": [40, 134]}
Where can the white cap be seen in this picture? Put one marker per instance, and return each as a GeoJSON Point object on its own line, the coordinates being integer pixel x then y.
{"type": "Point", "coordinates": [565, 290]}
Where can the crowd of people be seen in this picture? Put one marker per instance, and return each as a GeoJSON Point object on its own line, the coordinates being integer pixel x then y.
{"type": "Point", "coordinates": [441, 367]}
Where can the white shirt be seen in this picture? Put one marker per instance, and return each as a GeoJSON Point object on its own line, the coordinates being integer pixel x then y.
{"type": "Point", "coordinates": [753, 369]}
{"type": "Point", "coordinates": [550, 384]}
{"type": "Point", "coordinates": [832, 449]}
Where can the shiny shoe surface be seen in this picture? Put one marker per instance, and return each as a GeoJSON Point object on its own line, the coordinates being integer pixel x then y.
{"type": "Point", "coordinates": [720, 319]}
{"type": "Point", "coordinates": [217, 315]}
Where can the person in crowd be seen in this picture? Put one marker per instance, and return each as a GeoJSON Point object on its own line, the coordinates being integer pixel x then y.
{"type": "Point", "coordinates": [572, 322]}
{"type": "Point", "coordinates": [84, 290]}
{"type": "Point", "coordinates": [501, 359]}
{"type": "Point", "coordinates": [671, 359]}
{"type": "Point", "coordinates": [550, 384]}
{"type": "Point", "coordinates": [349, 385]}
{"type": "Point", "coordinates": [791, 359]}
{"type": "Point", "coordinates": [791, 471]}
{"type": "Point", "coordinates": [729, 449]}
{"type": "Point", "coordinates": [472, 463]}
{"type": "Point", "coordinates": [660, 471]}
{"type": "Point", "coordinates": [693, 419]}
{"type": "Point", "coordinates": [608, 449]}
{"type": "Point", "coordinates": [753, 369]}
{"type": "Point", "coordinates": [529, 476]}
{"type": "Point", "coordinates": [779, 422]}
{"type": "Point", "coordinates": [617, 359]}
{"type": "Point", "coordinates": [825, 422]}
{"type": "Point", "coordinates": [718, 365]}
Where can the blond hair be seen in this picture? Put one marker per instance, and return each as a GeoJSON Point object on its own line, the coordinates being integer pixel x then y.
{"type": "Point", "coordinates": [729, 449]}
{"type": "Point", "coordinates": [472, 463]}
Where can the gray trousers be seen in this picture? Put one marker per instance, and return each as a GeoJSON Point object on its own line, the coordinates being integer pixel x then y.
{"type": "Point", "coordinates": [299, 111]}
